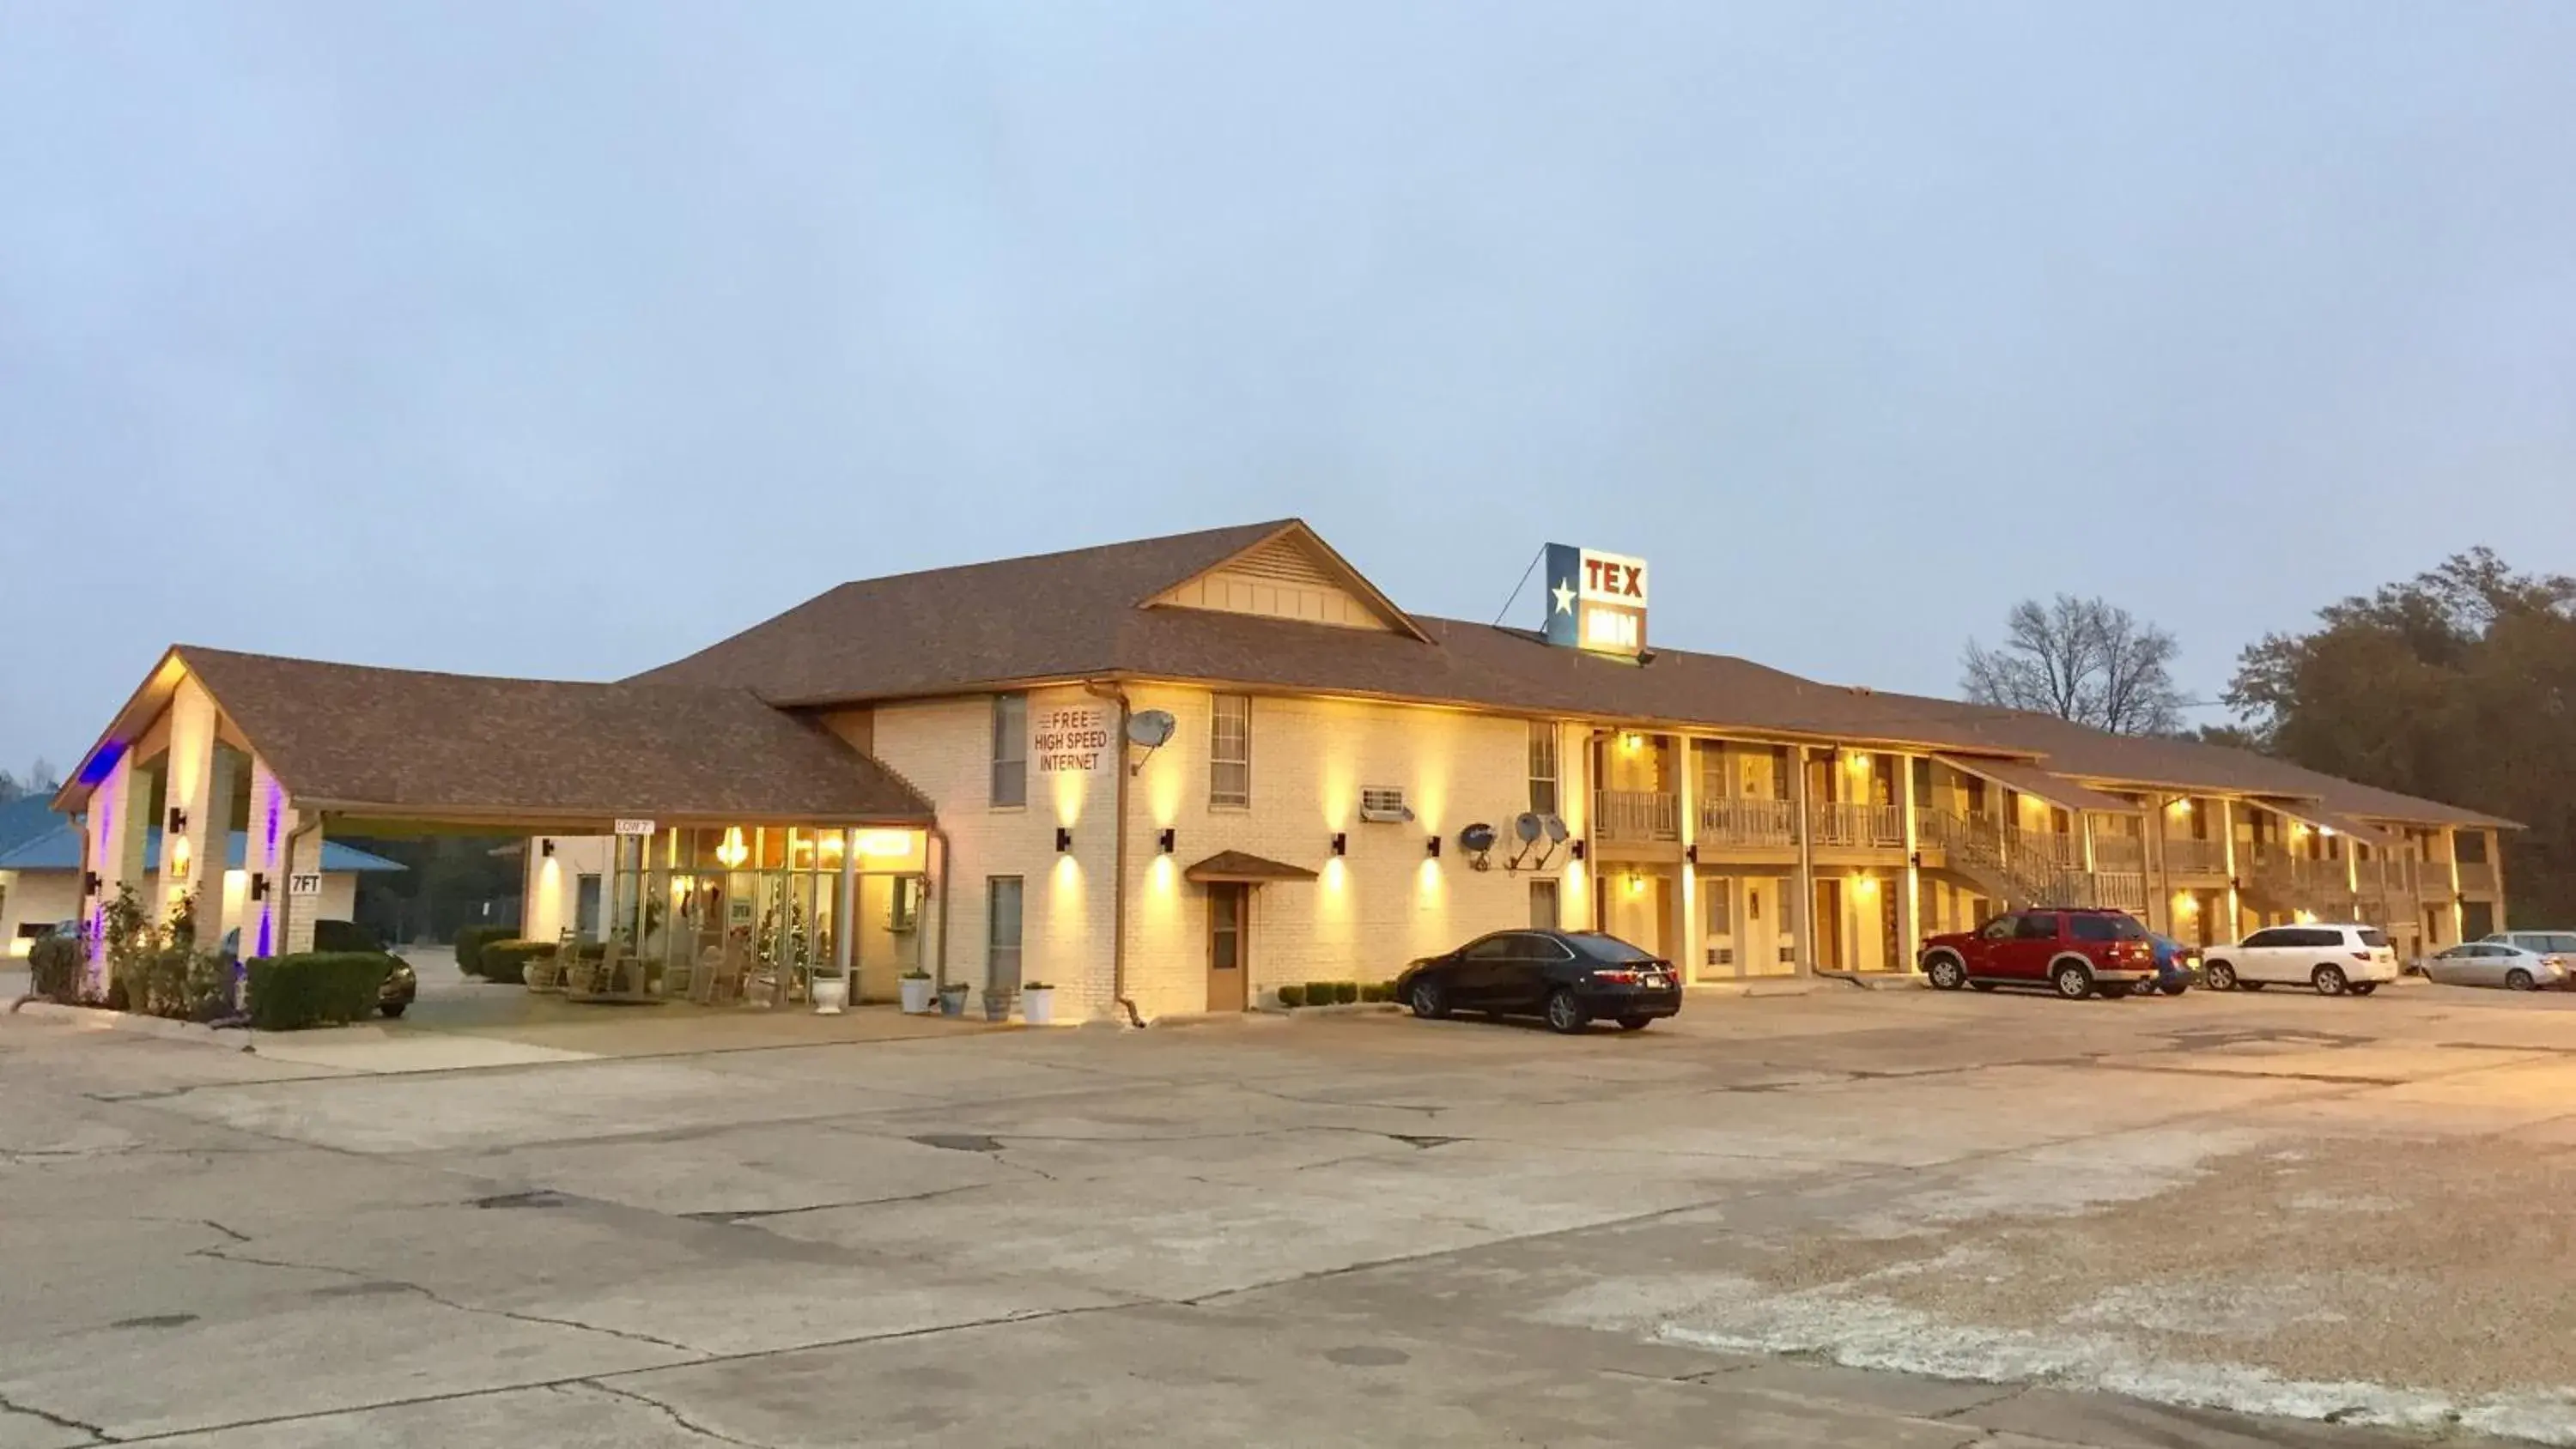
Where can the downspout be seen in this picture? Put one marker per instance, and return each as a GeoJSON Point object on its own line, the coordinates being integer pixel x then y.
{"type": "Point", "coordinates": [1118, 886]}
{"type": "Point", "coordinates": [939, 833]}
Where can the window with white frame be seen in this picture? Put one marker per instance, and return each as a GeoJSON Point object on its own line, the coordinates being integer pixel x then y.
{"type": "Point", "coordinates": [1010, 749]}
{"type": "Point", "coordinates": [1230, 750]}
{"type": "Point", "coordinates": [1002, 933]}
{"type": "Point", "coordinates": [1542, 767]}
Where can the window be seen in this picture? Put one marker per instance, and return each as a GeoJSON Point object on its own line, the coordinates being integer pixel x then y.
{"type": "Point", "coordinates": [1542, 767]}
{"type": "Point", "coordinates": [1002, 933]}
{"type": "Point", "coordinates": [1534, 947]}
{"type": "Point", "coordinates": [585, 909]}
{"type": "Point", "coordinates": [2040, 926]}
{"type": "Point", "coordinates": [1543, 905]}
{"type": "Point", "coordinates": [1497, 947]}
{"type": "Point", "coordinates": [2106, 928]}
{"type": "Point", "coordinates": [1720, 891]}
{"type": "Point", "coordinates": [1595, 946]}
{"type": "Point", "coordinates": [2001, 928]}
{"type": "Point", "coordinates": [1230, 750]}
{"type": "Point", "coordinates": [1010, 749]}
{"type": "Point", "coordinates": [2371, 936]}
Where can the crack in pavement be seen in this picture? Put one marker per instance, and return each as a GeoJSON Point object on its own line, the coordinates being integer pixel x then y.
{"type": "Point", "coordinates": [60, 1421]}
{"type": "Point", "coordinates": [674, 1415]}
{"type": "Point", "coordinates": [744, 1215]}
{"type": "Point", "coordinates": [444, 1301]}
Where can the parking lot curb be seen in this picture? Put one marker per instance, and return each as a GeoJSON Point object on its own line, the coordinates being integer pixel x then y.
{"type": "Point", "coordinates": [99, 1018]}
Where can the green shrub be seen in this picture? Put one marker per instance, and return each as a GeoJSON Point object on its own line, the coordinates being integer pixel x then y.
{"type": "Point", "coordinates": [507, 960]}
{"type": "Point", "coordinates": [1292, 997]}
{"type": "Point", "coordinates": [57, 970]}
{"type": "Point", "coordinates": [1376, 991]}
{"type": "Point", "coordinates": [175, 982]}
{"type": "Point", "coordinates": [1319, 993]}
{"type": "Point", "coordinates": [1346, 992]}
{"type": "Point", "coordinates": [470, 941]}
{"type": "Point", "coordinates": [316, 988]}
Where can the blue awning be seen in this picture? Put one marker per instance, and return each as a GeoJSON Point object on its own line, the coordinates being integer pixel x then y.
{"type": "Point", "coordinates": [60, 849]}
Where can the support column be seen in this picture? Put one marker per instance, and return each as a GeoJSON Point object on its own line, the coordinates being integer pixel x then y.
{"type": "Point", "coordinates": [200, 788]}
{"type": "Point", "coordinates": [264, 862]}
{"type": "Point", "coordinates": [1911, 904]}
{"type": "Point", "coordinates": [115, 850]}
{"type": "Point", "coordinates": [2227, 855]}
{"type": "Point", "coordinates": [2495, 873]}
{"type": "Point", "coordinates": [1803, 914]}
{"type": "Point", "coordinates": [1693, 934]}
{"type": "Point", "coordinates": [845, 915]}
{"type": "Point", "coordinates": [304, 858]}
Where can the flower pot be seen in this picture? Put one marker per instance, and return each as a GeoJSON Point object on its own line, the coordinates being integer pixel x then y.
{"type": "Point", "coordinates": [997, 1005]}
{"type": "Point", "coordinates": [831, 993]}
{"type": "Point", "coordinates": [1037, 1006]}
{"type": "Point", "coordinates": [916, 994]}
{"type": "Point", "coordinates": [952, 1001]}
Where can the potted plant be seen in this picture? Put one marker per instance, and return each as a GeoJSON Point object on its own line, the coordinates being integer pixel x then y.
{"type": "Point", "coordinates": [916, 991]}
{"type": "Point", "coordinates": [830, 993]}
{"type": "Point", "coordinates": [952, 999]}
{"type": "Point", "coordinates": [1037, 1004]}
{"type": "Point", "coordinates": [997, 1003]}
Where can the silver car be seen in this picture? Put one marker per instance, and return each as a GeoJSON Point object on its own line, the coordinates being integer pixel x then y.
{"type": "Point", "coordinates": [2500, 963]}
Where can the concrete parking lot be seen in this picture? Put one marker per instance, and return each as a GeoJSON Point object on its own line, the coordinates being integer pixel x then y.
{"type": "Point", "coordinates": [1846, 1218]}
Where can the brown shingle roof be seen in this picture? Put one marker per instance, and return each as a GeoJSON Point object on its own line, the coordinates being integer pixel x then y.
{"type": "Point", "coordinates": [344, 735]}
{"type": "Point", "coordinates": [1077, 614]}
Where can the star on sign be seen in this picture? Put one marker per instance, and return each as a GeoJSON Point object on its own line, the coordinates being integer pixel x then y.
{"type": "Point", "coordinates": [1564, 597]}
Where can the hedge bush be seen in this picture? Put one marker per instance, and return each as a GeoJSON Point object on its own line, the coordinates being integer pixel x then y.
{"type": "Point", "coordinates": [176, 982]}
{"type": "Point", "coordinates": [56, 968]}
{"type": "Point", "coordinates": [1292, 997]}
{"type": "Point", "coordinates": [316, 988]}
{"type": "Point", "coordinates": [1346, 992]}
{"type": "Point", "coordinates": [507, 960]}
{"type": "Point", "coordinates": [1376, 991]}
{"type": "Point", "coordinates": [1319, 993]}
{"type": "Point", "coordinates": [470, 941]}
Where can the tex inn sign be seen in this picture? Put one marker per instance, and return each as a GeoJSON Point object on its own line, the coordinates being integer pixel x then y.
{"type": "Point", "coordinates": [1596, 600]}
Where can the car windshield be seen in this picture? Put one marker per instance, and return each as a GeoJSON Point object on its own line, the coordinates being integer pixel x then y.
{"type": "Point", "coordinates": [1593, 946]}
{"type": "Point", "coordinates": [2373, 937]}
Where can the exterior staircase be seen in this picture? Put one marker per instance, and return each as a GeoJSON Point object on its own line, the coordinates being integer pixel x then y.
{"type": "Point", "coordinates": [1981, 853]}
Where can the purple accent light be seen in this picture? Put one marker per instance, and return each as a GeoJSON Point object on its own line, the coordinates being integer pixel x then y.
{"type": "Point", "coordinates": [102, 764]}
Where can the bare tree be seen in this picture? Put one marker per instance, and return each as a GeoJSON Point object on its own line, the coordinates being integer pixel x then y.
{"type": "Point", "coordinates": [2086, 660]}
{"type": "Point", "coordinates": [41, 779]}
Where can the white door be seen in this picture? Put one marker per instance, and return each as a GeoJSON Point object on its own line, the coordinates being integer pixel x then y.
{"type": "Point", "coordinates": [2267, 955]}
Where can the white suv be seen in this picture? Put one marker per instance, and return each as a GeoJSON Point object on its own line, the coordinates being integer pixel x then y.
{"type": "Point", "coordinates": [2332, 958]}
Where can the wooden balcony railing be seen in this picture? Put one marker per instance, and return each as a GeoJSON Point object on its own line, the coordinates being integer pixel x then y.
{"type": "Point", "coordinates": [2196, 857]}
{"type": "Point", "coordinates": [1836, 822]}
{"type": "Point", "coordinates": [2124, 853]}
{"type": "Point", "coordinates": [2477, 875]}
{"type": "Point", "coordinates": [1629, 817]}
{"type": "Point", "coordinates": [1748, 822]}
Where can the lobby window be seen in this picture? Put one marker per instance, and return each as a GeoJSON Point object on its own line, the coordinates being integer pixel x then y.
{"type": "Point", "coordinates": [1010, 749]}
{"type": "Point", "coordinates": [1002, 933]}
{"type": "Point", "coordinates": [1542, 767]}
{"type": "Point", "coordinates": [1230, 750]}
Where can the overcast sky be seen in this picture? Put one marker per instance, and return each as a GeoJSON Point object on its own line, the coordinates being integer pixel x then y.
{"type": "Point", "coordinates": [565, 339]}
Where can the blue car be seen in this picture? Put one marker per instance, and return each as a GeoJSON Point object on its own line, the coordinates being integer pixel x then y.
{"type": "Point", "coordinates": [2177, 967]}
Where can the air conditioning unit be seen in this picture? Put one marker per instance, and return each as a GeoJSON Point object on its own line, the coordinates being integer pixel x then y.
{"type": "Point", "coordinates": [1384, 804]}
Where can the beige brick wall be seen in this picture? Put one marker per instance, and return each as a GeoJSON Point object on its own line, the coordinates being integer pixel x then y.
{"type": "Point", "coordinates": [1384, 903]}
{"type": "Point", "coordinates": [944, 747]}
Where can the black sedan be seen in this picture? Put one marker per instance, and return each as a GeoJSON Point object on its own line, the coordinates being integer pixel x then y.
{"type": "Point", "coordinates": [1571, 978]}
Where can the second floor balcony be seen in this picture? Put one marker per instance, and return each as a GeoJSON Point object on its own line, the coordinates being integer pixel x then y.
{"type": "Point", "coordinates": [1847, 824]}
{"type": "Point", "coordinates": [1748, 823]}
{"type": "Point", "coordinates": [1636, 817]}
{"type": "Point", "coordinates": [2196, 857]}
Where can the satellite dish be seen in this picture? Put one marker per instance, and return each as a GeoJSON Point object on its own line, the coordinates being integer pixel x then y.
{"type": "Point", "coordinates": [1478, 837]}
{"type": "Point", "coordinates": [1556, 831]}
{"type": "Point", "coordinates": [1526, 826]}
{"type": "Point", "coordinates": [1152, 728]}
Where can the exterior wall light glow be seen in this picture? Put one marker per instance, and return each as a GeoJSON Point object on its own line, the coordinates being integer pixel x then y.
{"type": "Point", "coordinates": [1631, 741]}
{"type": "Point", "coordinates": [178, 856]}
{"type": "Point", "coordinates": [1636, 884]}
{"type": "Point", "coordinates": [885, 842]}
{"type": "Point", "coordinates": [1063, 838]}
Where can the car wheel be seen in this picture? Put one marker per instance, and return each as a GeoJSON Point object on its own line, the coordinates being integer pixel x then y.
{"type": "Point", "coordinates": [2364, 988]}
{"type": "Point", "coordinates": [2329, 980]}
{"type": "Point", "coordinates": [2073, 981]}
{"type": "Point", "coordinates": [1946, 973]}
{"type": "Point", "coordinates": [2520, 980]}
{"type": "Point", "coordinates": [1428, 1001]}
{"type": "Point", "coordinates": [2220, 975]}
{"type": "Point", "coordinates": [1566, 1014]}
{"type": "Point", "coordinates": [394, 1008]}
{"type": "Point", "coordinates": [1635, 1023]}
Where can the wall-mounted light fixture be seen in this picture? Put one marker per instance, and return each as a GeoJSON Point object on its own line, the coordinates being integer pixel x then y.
{"type": "Point", "coordinates": [546, 848]}
{"type": "Point", "coordinates": [178, 820]}
{"type": "Point", "coordinates": [1341, 843]}
{"type": "Point", "coordinates": [1431, 847]}
{"type": "Point", "coordinates": [259, 885]}
{"type": "Point", "coordinates": [1636, 884]}
{"type": "Point", "coordinates": [1690, 852]}
{"type": "Point", "coordinates": [177, 857]}
{"type": "Point", "coordinates": [1063, 839]}
{"type": "Point", "coordinates": [89, 882]}
{"type": "Point", "coordinates": [1168, 839]}
{"type": "Point", "coordinates": [1630, 741]}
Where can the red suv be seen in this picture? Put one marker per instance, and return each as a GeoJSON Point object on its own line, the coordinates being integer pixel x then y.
{"type": "Point", "coordinates": [2078, 951]}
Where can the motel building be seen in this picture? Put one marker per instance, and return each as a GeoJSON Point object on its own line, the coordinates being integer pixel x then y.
{"type": "Point", "coordinates": [1169, 776]}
